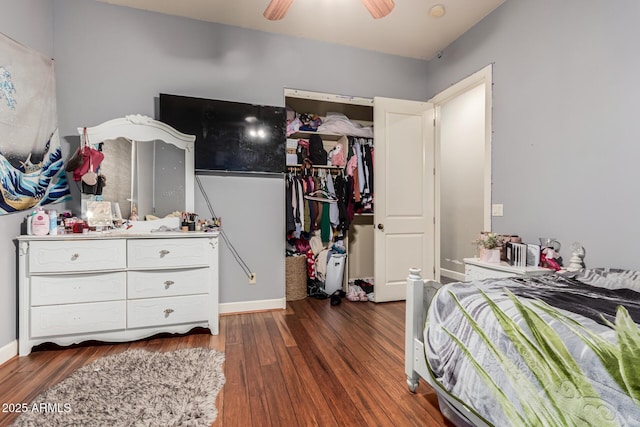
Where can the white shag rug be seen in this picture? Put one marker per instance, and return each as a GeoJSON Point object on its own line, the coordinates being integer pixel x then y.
{"type": "Point", "coordinates": [134, 388]}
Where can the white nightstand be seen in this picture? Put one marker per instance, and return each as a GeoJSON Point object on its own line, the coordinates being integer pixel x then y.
{"type": "Point", "coordinates": [474, 269]}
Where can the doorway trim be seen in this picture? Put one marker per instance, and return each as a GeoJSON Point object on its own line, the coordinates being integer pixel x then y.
{"type": "Point", "coordinates": [483, 76]}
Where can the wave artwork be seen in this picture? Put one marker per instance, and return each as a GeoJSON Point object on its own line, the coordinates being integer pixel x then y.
{"type": "Point", "coordinates": [31, 166]}
{"type": "Point", "coordinates": [33, 184]}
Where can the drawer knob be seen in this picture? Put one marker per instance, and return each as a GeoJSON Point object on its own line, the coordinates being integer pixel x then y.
{"type": "Point", "coordinates": [164, 252]}
{"type": "Point", "coordinates": [168, 311]}
{"type": "Point", "coordinates": [75, 256]}
{"type": "Point", "coordinates": [168, 283]}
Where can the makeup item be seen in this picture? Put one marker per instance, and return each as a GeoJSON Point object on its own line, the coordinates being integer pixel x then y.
{"type": "Point", "coordinates": [78, 227]}
{"type": "Point", "coordinates": [53, 222]}
{"type": "Point", "coordinates": [40, 223]}
{"type": "Point", "coordinates": [69, 224]}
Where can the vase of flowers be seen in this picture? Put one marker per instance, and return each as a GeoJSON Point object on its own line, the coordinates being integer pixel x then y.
{"type": "Point", "coordinates": [490, 245]}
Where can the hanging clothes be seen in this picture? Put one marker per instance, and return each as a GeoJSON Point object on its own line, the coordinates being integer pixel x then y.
{"type": "Point", "coordinates": [359, 170]}
{"type": "Point", "coordinates": [321, 204]}
{"type": "Point", "coordinates": [294, 206]}
{"type": "Point", "coordinates": [298, 201]}
{"type": "Point", "coordinates": [289, 210]}
{"type": "Point", "coordinates": [342, 194]}
{"type": "Point", "coordinates": [367, 165]}
{"type": "Point", "coordinates": [334, 214]}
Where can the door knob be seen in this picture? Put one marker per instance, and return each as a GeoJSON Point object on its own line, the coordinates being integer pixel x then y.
{"type": "Point", "coordinates": [380, 226]}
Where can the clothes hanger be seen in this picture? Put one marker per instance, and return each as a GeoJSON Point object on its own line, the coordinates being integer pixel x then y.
{"type": "Point", "coordinates": [321, 196]}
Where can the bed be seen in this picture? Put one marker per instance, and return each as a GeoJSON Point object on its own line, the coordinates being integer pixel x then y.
{"type": "Point", "coordinates": [555, 350]}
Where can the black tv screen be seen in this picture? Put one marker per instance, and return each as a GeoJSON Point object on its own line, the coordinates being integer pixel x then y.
{"type": "Point", "coordinates": [230, 136]}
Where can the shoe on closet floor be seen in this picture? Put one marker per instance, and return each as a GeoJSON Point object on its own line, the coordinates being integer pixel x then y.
{"type": "Point", "coordinates": [352, 295]}
{"type": "Point", "coordinates": [336, 297]}
{"type": "Point", "coordinates": [358, 293]}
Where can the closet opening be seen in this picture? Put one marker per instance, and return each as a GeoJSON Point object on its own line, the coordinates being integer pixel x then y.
{"type": "Point", "coordinates": [329, 193]}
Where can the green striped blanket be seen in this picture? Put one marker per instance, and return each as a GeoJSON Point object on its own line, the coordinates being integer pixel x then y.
{"type": "Point", "coordinates": [551, 351]}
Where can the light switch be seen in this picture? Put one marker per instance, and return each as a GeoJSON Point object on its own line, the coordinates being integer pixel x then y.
{"type": "Point", "coordinates": [497, 209]}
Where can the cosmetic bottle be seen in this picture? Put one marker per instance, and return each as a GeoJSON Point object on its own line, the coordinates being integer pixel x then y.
{"type": "Point", "coordinates": [29, 221]}
{"type": "Point", "coordinates": [53, 222]}
{"type": "Point", "coordinates": [40, 223]}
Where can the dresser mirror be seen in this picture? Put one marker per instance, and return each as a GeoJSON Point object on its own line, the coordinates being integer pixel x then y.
{"type": "Point", "coordinates": [148, 166]}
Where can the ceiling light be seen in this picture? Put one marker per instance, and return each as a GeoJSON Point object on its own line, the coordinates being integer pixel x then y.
{"type": "Point", "coordinates": [437, 11]}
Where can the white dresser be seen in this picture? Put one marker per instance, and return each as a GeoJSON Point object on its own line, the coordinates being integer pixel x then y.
{"type": "Point", "coordinates": [118, 287]}
{"type": "Point", "coordinates": [474, 269]}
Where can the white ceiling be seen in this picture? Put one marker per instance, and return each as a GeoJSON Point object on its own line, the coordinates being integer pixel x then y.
{"type": "Point", "coordinates": [407, 31]}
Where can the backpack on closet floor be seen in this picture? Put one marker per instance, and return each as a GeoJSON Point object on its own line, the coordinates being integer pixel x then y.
{"type": "Point", "coordinates": [317, 154]}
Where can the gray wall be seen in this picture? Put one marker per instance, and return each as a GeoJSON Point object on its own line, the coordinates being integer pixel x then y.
{"type": "Point", "coordinates": [565, 89]}
{"type": "Point", "coordinates": [462, 177]}
{"type": "Point", "coordinates": [565, 120]}
{"type": "Point", "coordinates": [113, 61]}
{"type": "Point", "coordinates": [29, 23]}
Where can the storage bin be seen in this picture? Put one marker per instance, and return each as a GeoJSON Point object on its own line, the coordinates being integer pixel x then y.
{"type": "Point", "coordinates": [335, 273]}
{"type": "Point", "coordinates": [296, 277]}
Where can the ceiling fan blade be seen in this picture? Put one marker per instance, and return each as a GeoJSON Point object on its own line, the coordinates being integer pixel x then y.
{"type": "Point", "coordinates": [277, 9]}
{"type": "Point", "coordinates": [379, 8]}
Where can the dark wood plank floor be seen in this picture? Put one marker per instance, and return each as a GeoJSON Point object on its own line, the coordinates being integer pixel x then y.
{"type": "Point", "coordinates": [310, 365]}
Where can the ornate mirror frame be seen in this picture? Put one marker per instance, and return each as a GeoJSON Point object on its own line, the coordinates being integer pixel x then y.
{"type": "Point", "coordinates": [140, 128]}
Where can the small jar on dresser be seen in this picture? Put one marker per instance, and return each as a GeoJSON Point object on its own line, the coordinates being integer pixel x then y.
{"type": "Point", "coordinates": [474, 269]}
{"type": "Point", "coordinates": [115, 287]}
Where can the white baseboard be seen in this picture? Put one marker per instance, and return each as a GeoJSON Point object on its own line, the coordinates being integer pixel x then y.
{"type": "Point", "coordinates": [452, 274]}
{"type": "Point", "coordinates": [248, 306]}
{"type": "Point", "coordinates": [8, 351]}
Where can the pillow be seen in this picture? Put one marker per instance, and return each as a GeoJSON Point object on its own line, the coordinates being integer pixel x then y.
{"type": "Point", "coordinates": [610, 278]}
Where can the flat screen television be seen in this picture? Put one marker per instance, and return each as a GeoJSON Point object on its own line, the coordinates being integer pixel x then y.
{"type": "Point", "coordinates": [230, 136]}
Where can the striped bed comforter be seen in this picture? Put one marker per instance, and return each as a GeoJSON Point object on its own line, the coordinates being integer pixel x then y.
{"type": "Point", "coordinates": [557, 350]}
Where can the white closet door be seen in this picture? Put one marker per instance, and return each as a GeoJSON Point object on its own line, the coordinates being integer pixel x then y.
{"type": "Point", "coordinates": [404, 194]}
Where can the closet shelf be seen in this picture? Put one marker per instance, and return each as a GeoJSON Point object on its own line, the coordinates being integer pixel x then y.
{"type": "Point", "coordinates": [307, 134]}
{"type": "Point", "coordinates": [299, 166]}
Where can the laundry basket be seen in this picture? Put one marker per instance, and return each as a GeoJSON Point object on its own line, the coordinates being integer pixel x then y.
{"type": "Point", "coordinates": [296, 277]}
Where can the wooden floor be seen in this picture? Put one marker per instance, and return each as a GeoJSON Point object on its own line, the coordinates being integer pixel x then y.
{"type": "Point", "coordinates": [310, 365]}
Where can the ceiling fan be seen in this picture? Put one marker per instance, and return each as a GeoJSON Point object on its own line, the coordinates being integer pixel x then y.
{"type": "Point", "coordinates": [377, 8]}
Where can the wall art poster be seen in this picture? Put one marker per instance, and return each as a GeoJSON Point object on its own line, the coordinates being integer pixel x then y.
{"type": "Point", "coordinates": [31, 165]}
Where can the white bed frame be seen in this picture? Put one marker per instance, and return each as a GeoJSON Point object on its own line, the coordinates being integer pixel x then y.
{"type": "Point", "coordinates": [420, 292]}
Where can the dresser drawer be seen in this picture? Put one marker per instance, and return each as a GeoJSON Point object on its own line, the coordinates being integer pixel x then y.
{"type": "Point", "coordinates": [167, 311]}
{"type": "Point", "coordinates": [166, 283]}
{"type": "Point", "coordinates": [77, 318]}
{"type": "Point", "coordinates": [76, 288]}
{"type": "Point", "coordinates": [76, 255]}
{"type": "Point", "coordinates": [168, 253]}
